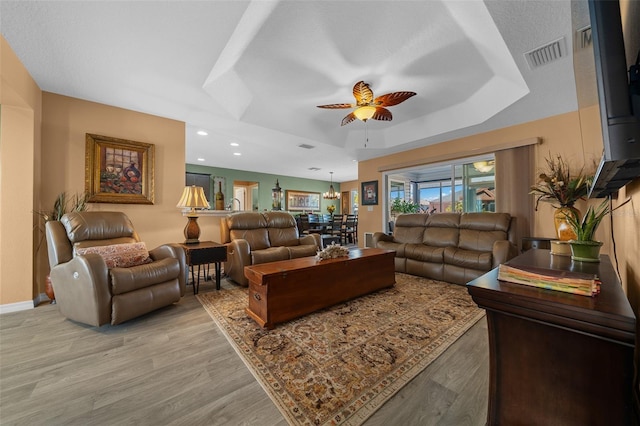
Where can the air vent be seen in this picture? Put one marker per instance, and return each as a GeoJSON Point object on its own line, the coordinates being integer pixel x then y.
{"type": "Point", "coordinates": [314, 169]}
{"type": "Point", "coordinates": [305, 146]}
{"type": "Point", "coordinates": [546, 54]}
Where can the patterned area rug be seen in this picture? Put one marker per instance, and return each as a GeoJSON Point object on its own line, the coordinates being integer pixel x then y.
{"type": "Point", "coordinates": [339, 365]}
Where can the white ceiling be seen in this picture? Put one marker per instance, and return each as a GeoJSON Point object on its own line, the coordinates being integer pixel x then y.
{"type": "Point", "coordinates": [253, 72]}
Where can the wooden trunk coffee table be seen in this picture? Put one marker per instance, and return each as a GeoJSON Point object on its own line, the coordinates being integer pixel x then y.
{"type": "Point", "coordinates": [288, 289]}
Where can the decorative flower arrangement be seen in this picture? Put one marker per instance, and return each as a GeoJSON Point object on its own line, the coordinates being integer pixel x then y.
{"type": "Point", "coordinates": [332, 252]}
{"type": "Point", "coordinates": [331, 208]}
{"type": "Point", "coordinates": [558, 186]}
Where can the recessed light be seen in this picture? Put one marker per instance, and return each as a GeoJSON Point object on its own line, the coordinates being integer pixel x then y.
{"type": "Point", "coordinates": [237, 153]}
{"type": "Point", "coordinates": [234, 144]}
{"type": "Point", "coordinates": [200, 159]}
{"type": "Point", "coordinates": [202, 133]}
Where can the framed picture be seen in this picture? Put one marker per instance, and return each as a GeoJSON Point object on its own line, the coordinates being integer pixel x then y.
{"type": "Point", "coordinates": [119, 170]}
{"type": "Point", "coordinates": [302, 200]}
{"type": "Point", "coordinates": [370, 193]}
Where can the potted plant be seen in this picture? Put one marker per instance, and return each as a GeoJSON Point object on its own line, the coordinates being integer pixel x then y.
{"type": "Point", "coordinates": [562, 188]}
{"type": "Point", "coordinates": [403, 206]}
{"type": "Point", "coordinates": [64, 205]}
{"type": "Point", "coordinates": [584, 248]}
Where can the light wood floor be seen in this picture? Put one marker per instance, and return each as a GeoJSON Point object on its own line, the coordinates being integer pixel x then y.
{"type": "Point", "coordinates": [174, 366]}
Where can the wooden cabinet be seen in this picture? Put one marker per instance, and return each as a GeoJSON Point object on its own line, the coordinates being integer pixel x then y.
{"type": "Point", "coordinates": [529, 243]}
{"type": "Point", "coordinates": [558, 358]}
{"type": "Point", "coordinates": [288, 289]}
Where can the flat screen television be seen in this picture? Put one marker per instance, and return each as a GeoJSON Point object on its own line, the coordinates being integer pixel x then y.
{"type": "Point", "coordinates": [619, 99]}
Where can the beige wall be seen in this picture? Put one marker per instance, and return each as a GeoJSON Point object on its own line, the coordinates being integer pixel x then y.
{"type": "Point", "coordinates": [42, 152]}
{"type": "Point", "coordinates": [65, 122]}
{"type": "Point", "coordinates": [20, 112]}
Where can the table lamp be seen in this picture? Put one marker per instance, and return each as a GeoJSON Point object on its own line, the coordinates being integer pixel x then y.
{"type": "Point", "coordinates": [193, 198]}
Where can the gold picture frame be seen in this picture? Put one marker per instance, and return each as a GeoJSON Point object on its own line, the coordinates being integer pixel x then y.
{"type": "Point", "coordinates": [119, 170]}
{"type": "Point", "coordinates": [302, 201]}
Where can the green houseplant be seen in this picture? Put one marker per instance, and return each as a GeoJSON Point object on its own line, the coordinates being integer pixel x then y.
{"type": "Point", "coordinates": [404, 206]}
{"type": "Point", "coordinates": [584, 247]}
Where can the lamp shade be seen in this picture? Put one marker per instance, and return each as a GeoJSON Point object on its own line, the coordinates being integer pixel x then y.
{"type": "Point", "coordinates": [193, 197]}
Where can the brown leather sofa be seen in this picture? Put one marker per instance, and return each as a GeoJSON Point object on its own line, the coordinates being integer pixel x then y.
{"type": "Point", "coordinates": [255, 238]}
{"type": "Point", "coordinates": [89, 291]}
{"type": "Point", "coordinates": [450, 247]}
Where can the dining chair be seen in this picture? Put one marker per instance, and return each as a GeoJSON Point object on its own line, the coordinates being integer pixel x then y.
{"type": "Point", "coordinates": [336, 226]}
{"type": "Point", "coordinates": [314, 224]}
{"type": "Point", "coordinates": [349, 233]}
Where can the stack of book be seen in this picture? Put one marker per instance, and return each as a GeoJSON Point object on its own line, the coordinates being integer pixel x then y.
{"type": "Point", "coordinates": [551, 279]}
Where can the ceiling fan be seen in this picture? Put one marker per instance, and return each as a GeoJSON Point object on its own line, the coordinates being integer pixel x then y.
{"type": "Point", "coordinates": [369, 108]}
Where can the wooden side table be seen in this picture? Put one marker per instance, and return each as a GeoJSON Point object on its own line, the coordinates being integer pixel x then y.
{"type": "Point", "coordinates": [205, 253]}
{"type": "Point", "coordinates": [558, 358]}
{"type": "Point", "coordinates": [529, 243]}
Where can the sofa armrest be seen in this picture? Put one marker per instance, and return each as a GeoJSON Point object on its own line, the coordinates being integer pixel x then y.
{"type": "Point", "coordinates": [502, 251]}
{"type": "Point", "coordinates": [311, 239]}
{"type": "Point", "coordinates": [238, 256]}
{"type": "Point", "coordinates": [82, 289]}
{"type": "Point", "coordinates": [175, 251]}
{"type": "Point", "coordinates": [381, 236]}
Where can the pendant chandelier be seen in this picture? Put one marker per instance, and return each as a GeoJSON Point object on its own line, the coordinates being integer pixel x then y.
{"type": "Point", "coordinates": [332, 194]}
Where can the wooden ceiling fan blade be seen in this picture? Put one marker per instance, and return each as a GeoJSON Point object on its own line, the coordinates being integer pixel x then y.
{"type": "Point", "coordinates": [382, 114]}
{"type": "Point", "coordinates": [337, 106]}
{"type": "Point", "coordinates": [391, 99]}
{"type": "Point", "coordinates": [348, 119]}
{"type": "Point", "coordinates": [362, 93]}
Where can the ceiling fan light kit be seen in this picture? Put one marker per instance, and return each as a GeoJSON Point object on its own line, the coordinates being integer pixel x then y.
{"type": "Point", "coordinates": [364, 113]}
{"type": "Point", "coordinates": [484, 166]}
{"type": "Point", "coordinates": [366, 107]}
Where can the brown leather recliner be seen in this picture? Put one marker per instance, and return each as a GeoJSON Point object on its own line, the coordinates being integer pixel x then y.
{"type": "Point", "coordinates": [255, 238]}
{"type": "Point", "coordinates": [89, 291]}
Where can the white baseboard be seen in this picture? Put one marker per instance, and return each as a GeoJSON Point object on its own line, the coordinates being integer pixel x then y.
{"type": "Point", "coordinates": [18, 306]}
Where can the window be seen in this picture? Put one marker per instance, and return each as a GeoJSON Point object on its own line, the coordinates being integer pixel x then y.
{"type": "Point", "coordinates": [466, 185]}
{"type": "Point", "coordinates": [396, 191]}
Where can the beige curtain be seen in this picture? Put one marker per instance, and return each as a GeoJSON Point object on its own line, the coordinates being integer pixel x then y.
{"type": "Point", "coordinates": [514, 177]}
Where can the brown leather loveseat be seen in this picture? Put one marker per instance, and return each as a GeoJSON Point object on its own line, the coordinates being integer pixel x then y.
{"type": "Point", "coordinates": [452, 247]}
{"type": "Point", "coordinates": [101, 272]}
{"type": "Point", "coordinates": [255, 238]}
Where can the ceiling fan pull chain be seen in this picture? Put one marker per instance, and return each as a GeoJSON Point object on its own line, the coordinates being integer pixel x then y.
{"type": "Point", "coordinates": [366, 134]}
